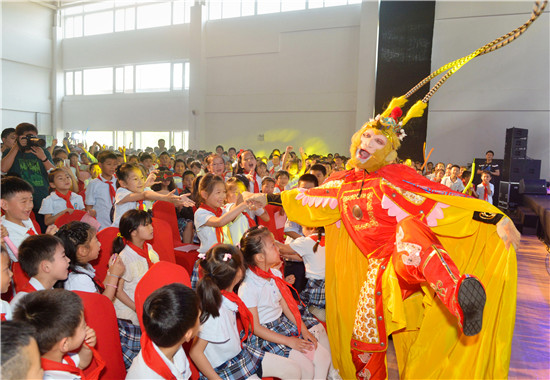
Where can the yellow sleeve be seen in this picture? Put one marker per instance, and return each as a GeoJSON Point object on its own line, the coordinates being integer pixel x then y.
{"type": "Point", "coordinates": [310, 207]}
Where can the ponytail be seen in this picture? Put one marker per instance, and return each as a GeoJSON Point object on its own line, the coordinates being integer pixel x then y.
{"type": "Point", "coordinates": [252, 243]}
{"type": "Point", "coordinates": [118, 243]}
{"type": "Point", "coordinates": [320, 233]}
{"type": "Point", "coordinates": [130, 222]}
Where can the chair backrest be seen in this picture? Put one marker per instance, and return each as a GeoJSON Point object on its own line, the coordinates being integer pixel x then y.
{"type": "Point", "coordinates": [160, 274]}
{"type": "Point", "coordinates": [162, 240]}
{"type": "Point", "coordinates": [100, 315]}
{"type": "Point", "coordinates": [79, 216]}
{"type": "Point", "coordinates": [167, 212]}
{"type": "Point", "coordinates": [101, 264]}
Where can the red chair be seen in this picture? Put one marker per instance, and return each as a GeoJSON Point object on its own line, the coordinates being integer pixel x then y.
{"type": "Point", "coordinates": [162, 240]}
{"type": "Point", "coordinates": [78, 216]}
{"type": "Point", "coordinates": [160, 274]}
{"type": "Point", "coordinates": [100, 315]}
{"type": "Point", "coordinates": [167, 212]}
{"type": "Point", "coordinates": [101, 264]}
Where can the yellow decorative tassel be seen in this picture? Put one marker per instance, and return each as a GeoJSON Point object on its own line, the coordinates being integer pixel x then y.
{"type": "Point", "coordinates": [395, 102]}
{"type": "Point", "coordinates": [417, 110]}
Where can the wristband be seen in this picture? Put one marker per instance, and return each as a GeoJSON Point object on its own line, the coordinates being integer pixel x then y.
{"type": "Point", "coordinates": [45, 159]}
{"type": "Point", "coordinates": [114, 286]}
{"type": "Point", "coordinates": [110, 274]}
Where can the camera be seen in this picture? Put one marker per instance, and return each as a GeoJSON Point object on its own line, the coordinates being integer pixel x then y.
{"type": "Point", "coordinates": [33, 140]}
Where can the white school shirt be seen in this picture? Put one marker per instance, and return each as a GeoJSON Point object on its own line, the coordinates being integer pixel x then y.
{"type": "Point", "coordinates": [63, 375]}
{"type": "Point", "coordinates": [136, 267]}
{"type": "Point", "coordinates": [81, 281]}
{"type": "Point", "coordinates": [35, 283]}
{"type": "Point", "coordinates": [456, 185]}
{"type": "Point", "coordinates": [6, 310]}
{"type": "Point", "coordinates": [263, 294]}
{"type": "Point", "coordinates": [313, 261]}
{"type": "Point", "coordinates": [179, 367]}
{"type": "Point", "coordinates": [481, 192]}
{"type": "Point", "coordinates": [120, 209]}
{"type": "Point", "coordinates": [207, 235]}
{"type": "Point", "coordinates": [98, 196]}
{"type": "Point", "coordinates": [54, 204]}
{"type": "Point", "coordinates": [17, 234]}
{"type": "Point", "coordinates": [223, 337]}
{"type": "Point", "coordinates": [240, 224]}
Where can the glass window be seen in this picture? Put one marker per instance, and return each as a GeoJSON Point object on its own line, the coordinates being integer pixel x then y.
{"type": "Point", "coordinates": [128, 138]}
{"type": "Point", "coordinates": [98, 81]}
{"type": "Point", "coordinates": [311, 4]}
{"type": "Point", "coordinates": [150, 139]}
{"type": "Point", "coordinates": [130, 19]}
{"type": "Point", "coordinates": [119, 79]}
{"type": "Point", "coordinates": [128, 79]}
{"type": "Point", "coordinates": [187, 74]}
{"type": "Point", "coordinates": [77, 30]}
{"type": "Point", "coordinates": [69, 90]}
{"type": "Point", "coordinates": [292, 5]}
{"type": "Point", "coordinates": [150, 16]}
{"type": "Point", "coordinates": [78, 82]}
{"type": "Point", "coordinates": [103, 137]}
{"type": "Point", "coordinates": [248, 7]}
{"type": "Point", "coordinates": [153, 78]}
{"type": "Point", "coordinates": [268, 6]}
{"type": "Point", "coordinates": [214, 10]}
{"type": "Point", "coordinates": [69, 27]}
{"type": "Point", "coordinates": [354, 1]}
{"type": "Point", "coordinates": [73, 10]}
{"type": "Point", "coordinates": [98, 6]}
{"type": "Point", "coordinates": [177, 76]}
{"type": "Point", "coordinates": [98, 23]}
{"type": "Point", "coordinates": [120, 22]}
{"type": "Point", "coordinates": [332, 3]}
{"type": "Point", "coordinates": [231, 8]}
{"type": "Point", "coordinates": [178, 12]}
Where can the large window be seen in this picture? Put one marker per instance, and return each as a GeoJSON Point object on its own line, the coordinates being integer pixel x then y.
{"type": "Point", "coordinates": [155, 77]}
{"type": "Point", "coordinates": [122, 15]}
{"type": "Point", "coordinates": [137, 139]}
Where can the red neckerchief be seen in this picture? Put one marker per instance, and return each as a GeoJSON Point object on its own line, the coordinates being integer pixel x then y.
{"type": "Point", "coordinates": [254, 181]}
{"type": "Point", "coordinates": [66, 198]}
{"type": "Point", "coordinates": [284, 288]}
{"type": "Point", "coordinates": [486, 192]}
{"type": "Point", "coordinates": [315, 238]}
{"type": "Point", "coordinates": [31, 232]}
{"type": "Point", "coordinates": [251, 222]}
{"type": "Point", "coordinates": [3, 317]}
{"type": "Point", "coordinates": [177, 175]}
{"type": "Point", "coordinates": [143, 252]}
{"type": "Point", "coordinates": [28, 288]}
{"type": "Point", "coordinates": [141, 205]}
{"type": "Point", "coordinates": [245, 314]}
{"type": "Point", "coordinates": [50, 365]}
{"type": "Point", "coordinates": [218, 212]}
{"type": "Point", "coordinates": [153, 360]}
{"type": "Point", "coordinates": [112, 191]}
{"type": "Point", "coordinates": [279, 187]}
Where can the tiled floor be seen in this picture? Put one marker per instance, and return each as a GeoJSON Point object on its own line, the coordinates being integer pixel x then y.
{"type": "Point", "coordinates": [531, 341]}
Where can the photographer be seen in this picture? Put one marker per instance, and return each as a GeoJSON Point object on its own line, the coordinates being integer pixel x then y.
{"type": "Point", "coordinates": [30, 162]}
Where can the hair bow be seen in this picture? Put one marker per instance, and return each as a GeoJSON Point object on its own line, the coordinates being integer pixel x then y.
{"type": "Point", "coordinates": [226, 257]}
{"type": "Point", "coordinates": [202, 256]}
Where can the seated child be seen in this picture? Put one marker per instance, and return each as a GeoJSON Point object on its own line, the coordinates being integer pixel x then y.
{"type": "Point", "coordinates": [137, 255]}
{"type": "Point", "coordinates": [282, 177]}
{"type": "Point", "coordinates": [42, 258]}
{"type": "Point", "coordinates": [20, 355]}
{"type": "Point", "coordinates": [465, 180]}
{"type": "Point", "coordinates": [5, 277]}
{"type": "Point", "coordinates": [64, 340]}
{"type": "Point", "coordinates": [486, 189]}
{"type": "Point", "coordinates": [62, 200]}
{"type": "Point", "coordinates": [170, 318]}
{"type": "Point", "coordinates": [179, 170]}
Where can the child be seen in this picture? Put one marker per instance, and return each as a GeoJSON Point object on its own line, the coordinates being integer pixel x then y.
{"type": "Point", "coordinates": [130, 194]}
{"type": "Point", "coordinates": [179, 170]}
{"type": "Point", "coordinates": [486, 189]}
{"type": "Point", "coordinates": [5, 277]}
{"type": "Point", "coordinates": [20, 355]}
{"type": "Point", "coordinates": [137, 255]}
{"type": "Point", "coordinates": [320, 172]}
{"type": "Point", "coordinates": [438, 175]}
{"type": "Point", "coordinates": [277, 321]}
{"type": "Point", "coordinates": [43, 259]}
{"type": "Point", "coordinates": [247, 166]}
{"type": "Point", "coordinates": [164, 160]}
{"type": "Point", "coordinates": [465, 180]}
{"type": "Point", "coordinates": [165, 183]}
{"type": "Point", "coordinates": [81, 247]}
{"type": "Point", "coordinates": [277, 216]}
{"type": "Point", "coordinates": [170, 318]}
{"type": "Point", "coordinates": [261, 169]}
{"type": "Point", "coordinates": [218, 351]}
{"type": "Point", "coordinates": [311, 249]}
{"type": "Point", "coordinates": [62, 200]}
{"type": "Point", "coordinates": [282, 177]}
{"type": "Point", "coordinates": [64, 340]}
{"type": "Point", "coordinates": [147, 161]}
{"type": "Point", "coordinates": [101, 192]}
{"type": "Point", "coordinates": [453, 181]}
{"type": "Point", "coordinates": [215, 165]}
{"type": "Point", "coordinates": [187, 181]}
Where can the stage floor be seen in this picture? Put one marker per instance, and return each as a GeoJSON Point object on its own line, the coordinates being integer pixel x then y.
{"type": "Point", "coordinates": [531, 341]}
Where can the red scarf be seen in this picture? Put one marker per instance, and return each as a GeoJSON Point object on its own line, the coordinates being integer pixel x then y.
{"type": "Point", "coordinates": [254, 181]}
{"type": "Point", "coordinates": [28, 288]}
{"type": "Point", "coordinates": [486, 192]}
{"type": "Point", "coordinates": [218, 212]}
{"type": "Point", "coordinates": [251, 222]}
{"type": "Point", "coordinates": [31, 232]}
{"type": "Point", "coordinates": [279, 187]}
{"type": "Point", "coordinates": [284, 288]}
{"type": "Point", "coordinates": [3, 317]}
{"type": "Point", "coordinates": [153, 360]}
{"type": "Point", "coordinates": [66, 198]}
{"type": "Point", "coordinates": [245, 314]}
{"type": "Point", "coordinates": [141, 206]}
{"type": "Point", "coordinates": [112, 190]}
{"type": "Point", "coordinates": [143, 252]}
{"type": "Point", "coordinates": [50, 365]}
{"type": "Point", "coordinates": [315, 238]}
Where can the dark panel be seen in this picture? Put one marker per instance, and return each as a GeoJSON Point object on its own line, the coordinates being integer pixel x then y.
{"type": "Point", "coordinates": [404, 59]}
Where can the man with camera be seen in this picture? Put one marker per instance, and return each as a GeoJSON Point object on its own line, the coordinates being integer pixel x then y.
{"type": "Point", "coordinates": [27, 159]}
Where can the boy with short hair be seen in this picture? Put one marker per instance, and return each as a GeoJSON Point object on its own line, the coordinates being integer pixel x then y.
{"type": "Point", "coordinates": [20, 355]}
{"type": "Point", "coordinates": [57, 316]}
{"type": "Point", "coordinates": [100, 194]}
{"type": "Point", "coordinates": [147, 161]}
{"type": "Point", "coordinates": [486, 189]}
{"type": "Point", "coordinates": [453, 181]}
{"type": "Point", "coordinates": [282, 177]}
{"type": "Point", "coordinates": [43, 259]}
{"type": "Point", "coordinates": [170, 318]}
{"type": "Point", "coordinates": [320, 172]}
{"type": "Point", "coordinates": [164, 160]}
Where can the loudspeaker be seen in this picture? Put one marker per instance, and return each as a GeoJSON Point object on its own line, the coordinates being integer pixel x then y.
{"type": "Point", "coordinates": [518, 169]}
{"type": "Point", "coordinates": [532, 186]}
{"type": "Point", "coordinates": [508, 196]}
{"type": "Point", "coordinates": [516, 143]}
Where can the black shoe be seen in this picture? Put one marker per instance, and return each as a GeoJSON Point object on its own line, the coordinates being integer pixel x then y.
{"type": "Point", "coordinates": [471, 299]}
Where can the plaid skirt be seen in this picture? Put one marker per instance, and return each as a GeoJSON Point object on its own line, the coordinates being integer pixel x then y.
{"type": "Point", "coordinates": [195, 275]}
{"type": "Point", "coordinates": [282, 326]}
{"type": "Point", "coordinates": [130, 336]}
{"type": "Point", "coordinates": [247, 363]}
{"type": "Point", "coordinates": [314, 293]}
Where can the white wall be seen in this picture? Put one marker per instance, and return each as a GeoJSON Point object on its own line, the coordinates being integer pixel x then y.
{"type": "Point", "coordinates": [507, 88]}
{"type": "Point", "coordinates": [26, 65]}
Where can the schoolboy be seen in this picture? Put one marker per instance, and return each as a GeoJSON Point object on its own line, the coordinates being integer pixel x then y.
{"type": "Point", "coordinates": [9, 138]}
{"type": "Point", "coordinates": [486, 189]}
{"type": "Point", "coordinates": [196, 167]}
{"type": "Point", "coordinates": [170, 318]}
{"type": "Point", "coordinates": [57, 316]}
{"type": "Point", "coordinates": [61, 200]}
{"type": "Point", "coordinates": [20, 355]}
{"type": "Point", "coordinates": [188, 177]}
{"type": "Point", "coordinates": [43, 259]}
{"type": "Point", "coordinates": [100, 194]}
{"type": "Point", "coordinates": [320, 172]}
{"type": "Point", "coordinates": [147, 161]}
{"type": "Point", "coordinates": [164, 160]}
{"type": "Point", "coordinates": [282, 177]}
{"type": "Point", "coordinates": [179, 170]}
{"type": "Point", "coordinates": [452, 180]}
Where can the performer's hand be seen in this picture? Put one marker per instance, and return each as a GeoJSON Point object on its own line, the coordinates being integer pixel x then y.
{"type": "Point", "coordinates": [259, 198]}
{"type": "Point", "coordinates": [300, 344]}
{"type": "Point", "coordinates": [508, 233]}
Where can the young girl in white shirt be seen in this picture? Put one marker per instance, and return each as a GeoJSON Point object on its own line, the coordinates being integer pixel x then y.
{"type": "Point", "coordinates": [131, 193]}
{"type": "Point", "coordinates": [62, 200]}
{"type": "Point", "coordinates": [81, 247]}
{"type": "Point", "coordinates": [278, 326]}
